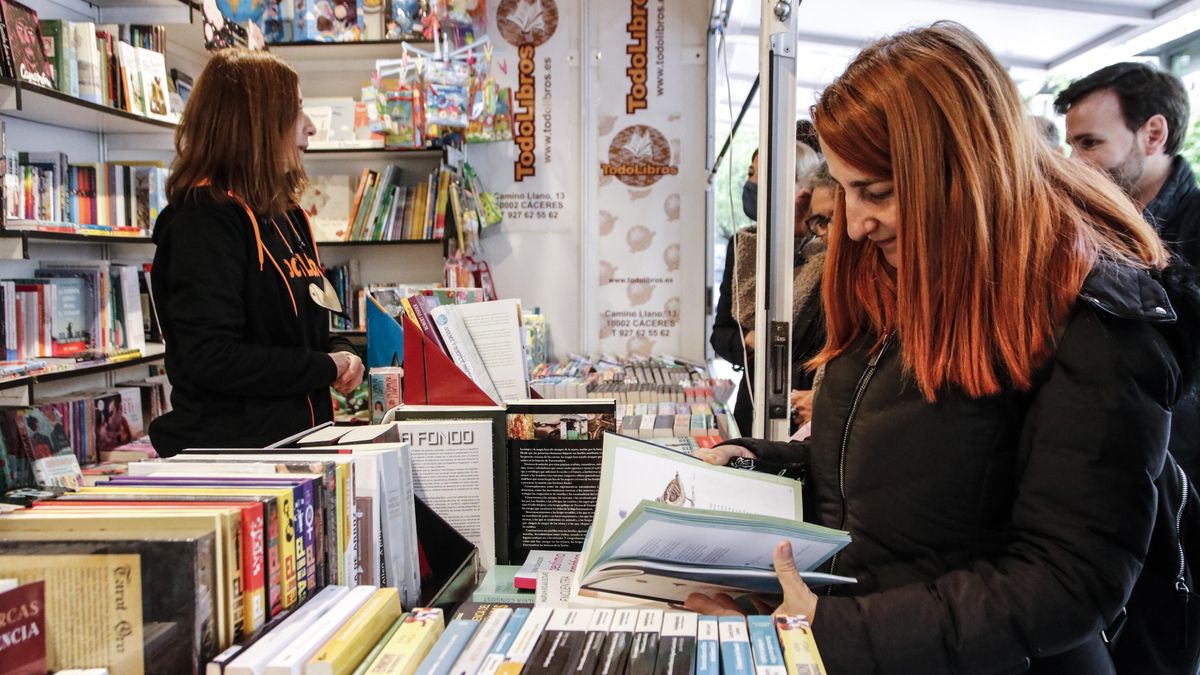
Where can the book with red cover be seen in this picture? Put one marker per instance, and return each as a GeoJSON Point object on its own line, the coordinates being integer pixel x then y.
{"type": "Point", "coordinates": [25, 39]}
{"type": "Point", "coordinates": [23, 637]}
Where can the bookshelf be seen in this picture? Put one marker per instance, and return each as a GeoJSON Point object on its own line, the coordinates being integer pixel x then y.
{"type": "Point", "coordinates": [394, 242]}
{"type": "Point", "coordinates": [17, 244]}
{"type": "Point", "coordinates": [19, 390]}
{"type": "Point", "coordinates": [47, 106]}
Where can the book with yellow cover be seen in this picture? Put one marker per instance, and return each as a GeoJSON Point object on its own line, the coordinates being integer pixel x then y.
{"type": "Point", "coordinates": [178, 583]}
{"type": "Point", "coordinates": [378, 648]}
{"type": "Point", "coordinates": [286, 524]}
{"type": "Point", "coordinates": [226, 523]}
{"type": "Point", "coordinates": [409, 646]}
{"type": "Point", "coordinates": [93, 609]}
{"type": "Point", "coordinates": [800, 653]}
{"type": "Point", "coordinates": [349, 646]}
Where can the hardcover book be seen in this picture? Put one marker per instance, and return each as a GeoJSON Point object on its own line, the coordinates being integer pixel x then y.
{"type": "Point", "coordinates": [25, 38]}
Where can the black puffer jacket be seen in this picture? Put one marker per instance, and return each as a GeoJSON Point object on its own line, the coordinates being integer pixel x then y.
{"type": "Point", "coordinates": [989, 534]}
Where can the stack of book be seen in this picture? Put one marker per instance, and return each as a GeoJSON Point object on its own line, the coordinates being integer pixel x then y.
{"type": "Point", "coordinates": [73, 307]}
{"type": "Point", "coordinates": [45, 192]}
{"type": "Point", "coordinates": [705, 424]}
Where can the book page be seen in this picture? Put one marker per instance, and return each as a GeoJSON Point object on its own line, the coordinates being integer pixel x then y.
{"type": "Point", "coordinates": [495, 328]}
{"type": "Point", "coordinates": [93, 608]}
{"type": "Point", "coordinates": [635, 470]}
{"type": "Point", "coordinates": [452, 473]}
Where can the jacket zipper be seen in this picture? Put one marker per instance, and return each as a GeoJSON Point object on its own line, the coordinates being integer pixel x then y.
{"type": "Point", "coordinates": [1181, 587]}
{"type": "Point", "coordinates": [861, 389]}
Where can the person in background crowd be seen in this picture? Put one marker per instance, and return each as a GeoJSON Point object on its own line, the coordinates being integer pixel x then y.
{"type": "Point", "coordinates": [237, 278]}
{"type": "Point", "coordinates": [1048, 130]}
{"type": "Point", "coordinates": [733, 325]}
{"type": "Point", "coordinates": [1130, 119]}
{"type": "Point", "coordinates": [996, 399]}
{"type": "Point", "coordinates": [808, 326]}
{"type": "Point", "coordinates": [806, 133]}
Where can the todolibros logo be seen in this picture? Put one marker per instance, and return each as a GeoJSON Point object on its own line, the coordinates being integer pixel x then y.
{"type": "Point", "coordinates": [638, 156]}
{"type": "Point", "coordinates": [526, 24]}
{"type": "Point", "coordinates": [638, 29]}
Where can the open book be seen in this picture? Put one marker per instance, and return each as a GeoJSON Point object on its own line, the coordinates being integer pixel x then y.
{"type": "Point", "coordinates": [668, 525]}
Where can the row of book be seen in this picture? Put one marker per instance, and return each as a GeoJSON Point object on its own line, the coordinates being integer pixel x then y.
{"type": "Point", "coordinates": [119, 66]}
{"type": "Point", "coordinates": [119, 198]}
{"type": "Point", "coordinates": [76, 306]}
{"type": "Point", "coordinates": [659, 380]}
{"type": "Point", "coordinates": [46, 444]}
{"type": "Point", "coordinates": [343, 21]}
{"type": "Point", "coordinates": [674, 420]}
{"type": "Point", "coordinates": [379, 208]}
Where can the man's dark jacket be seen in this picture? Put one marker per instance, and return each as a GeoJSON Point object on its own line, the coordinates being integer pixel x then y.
{"type": "Point", "coordinates": [1175, 213]}
{"type": "Point", "coordinates": [997, 534]}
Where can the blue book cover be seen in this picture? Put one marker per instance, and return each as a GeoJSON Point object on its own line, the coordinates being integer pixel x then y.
{"type": "Point", "coordinates": [510, 631]}
{"type": "Point", "coordinates": [708, 647]}
{"type": "Point", "coordinates": [735, 646]}
{"type": "Point", "coordinates": [768, 654]}
{"type": "Point", "coordinates": [448, 648]}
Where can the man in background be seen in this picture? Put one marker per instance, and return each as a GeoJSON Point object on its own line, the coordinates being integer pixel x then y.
{"type": "Point", "coordinates": [1130, 119]}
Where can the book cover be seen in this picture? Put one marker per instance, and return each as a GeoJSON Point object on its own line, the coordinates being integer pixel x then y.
{"type": "Point", "coordinates": [593, 645]}
{"type": "Point", "coordinates": [293, 658]}
{"type": "Point", "coordinates": [409, 645]}
{"type": "Point", "coordinates": [708, 647]}
{"type": "Point", "coordinates": [643, 651]}
{"type": "Point", "coordinates": [448, 647]}
{"type": "Point", "coordinates": [764, 645]}
{"type": "Point", "coordinates": [799, 646]}
{"type": "Point", "coordinates": [177, 581]}
{"type": "Point", "coordinates": [152, 67]}
{"type": "Point", "coordinates": [614, 655]}
{"type": "Point", "coordinates": [25, 39]}
{"type": "Point", "coordinates": [327, 201]}
{"type": "Point", "coordinates": [495, 657]}
{"type": "Point", "coordinates": [497, 586]}
{"type": "Point", "coordinates": [23, 649]}
{"type": "Point", "coordinates": [365, 665]}
{"type": "Point", "coordinates": [560, 643]}
{"type": "Point", "coordinates": [736, 658]}
{"type": "Point", "coordinates": [81, 592]}
{"type": "Point", "coordinates": [555, 449]}
{"type": "Point", "coordinates": [677, 644]}
{"type": "Point", "coordinates": [253, 660]}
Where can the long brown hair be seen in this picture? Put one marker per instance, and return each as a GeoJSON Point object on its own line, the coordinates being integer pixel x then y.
{"type": "Point", "coordinates": [996, 232]}
{"type": "Point", "coordinates": [236, 133]}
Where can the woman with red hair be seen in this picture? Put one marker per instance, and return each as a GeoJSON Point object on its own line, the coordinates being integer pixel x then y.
{"type": "Point", "coordinates": [996, 398]}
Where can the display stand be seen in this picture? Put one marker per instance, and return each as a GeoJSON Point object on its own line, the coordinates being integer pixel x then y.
{"type": "Point", "coordinates": [430, 377]}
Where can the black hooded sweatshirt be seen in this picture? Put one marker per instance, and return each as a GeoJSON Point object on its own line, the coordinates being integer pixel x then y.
{"type": "Point", "coordinates": [246, 345]}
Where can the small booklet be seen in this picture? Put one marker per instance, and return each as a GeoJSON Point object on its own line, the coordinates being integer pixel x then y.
{"type": "Point", "coordinates": [668, 525]}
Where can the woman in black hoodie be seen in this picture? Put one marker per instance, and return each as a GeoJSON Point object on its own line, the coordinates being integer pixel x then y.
{"type": "Point", "coordinates": [237, 278]}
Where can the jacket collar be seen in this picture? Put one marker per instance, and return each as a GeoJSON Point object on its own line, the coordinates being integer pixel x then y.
{"type": "Point", "coordinates": [1128, 293]}
{"type": "Point", "coordinates": [1179, 184]}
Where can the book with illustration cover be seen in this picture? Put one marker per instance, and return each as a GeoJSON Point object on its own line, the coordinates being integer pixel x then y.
{"type": "Point", "coordinates": [25, 38]}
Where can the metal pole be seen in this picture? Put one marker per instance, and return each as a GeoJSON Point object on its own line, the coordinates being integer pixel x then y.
{"type": "Point", "coordinates": [733, 130]}
{"type": "Point", "coordinates": [777, 162]}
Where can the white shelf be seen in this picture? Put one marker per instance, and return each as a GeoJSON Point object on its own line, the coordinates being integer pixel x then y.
{"type": "Point", "coordinates": [47, 106]}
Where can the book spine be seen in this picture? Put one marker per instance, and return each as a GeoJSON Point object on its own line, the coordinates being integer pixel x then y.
{"type": "Point", "coordinates": [764, 644]}
{"type": "Point", "coordinates": [643, 653]}
{"type": "Point", "coordinates": [310, 521]}
{"type": "Point", "coordinates": [489, 631]}
{"type": "Point", "coordinates": [409, 646]}
{"type": "Point", "coordinates": [253, 586]}
{"type": "Point", "coordinates": [274, 572]}
{"type": "Point", "coordinates": [593, 644]}
{"type": "Point", "coordinates": [708, 647]}
{"type": "Point", "coordinates": [735, 646]}
{"type": "Point", "coordinates": [799, 648]}
{"type": "Point", "coordinates": [287, 550]}
{"type": "Point", "coordinates": [449, 647]}
{"type": "Point", "coordinates": [560, 643]}
{"type": "Point", "coordinates": [677, 647]}
{"type": "Point", "coordinates": [522, 646]}
{"type": "Point", "coordinates": [615, 653]}
{"type": "Point", "coordinates": [350, 644]}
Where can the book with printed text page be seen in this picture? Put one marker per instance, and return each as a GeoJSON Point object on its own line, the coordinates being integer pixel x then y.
{"type": "Point", "coordinates": [667, 525]}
